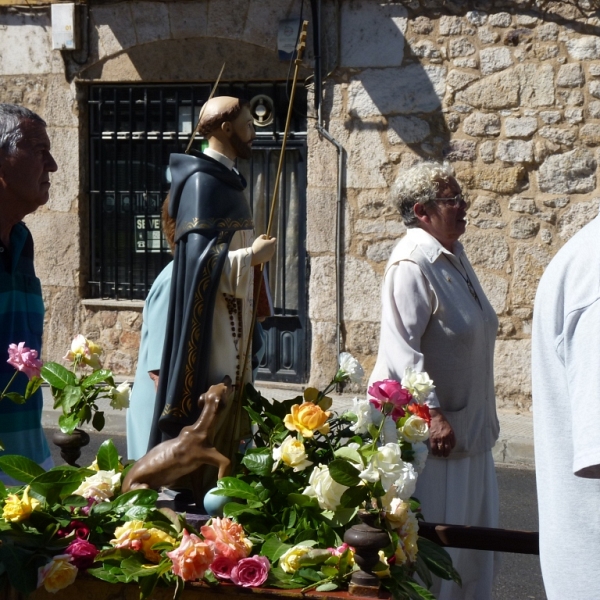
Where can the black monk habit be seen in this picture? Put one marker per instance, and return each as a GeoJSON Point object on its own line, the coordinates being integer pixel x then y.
{"type": "Point", "coordinates": [209, 206]}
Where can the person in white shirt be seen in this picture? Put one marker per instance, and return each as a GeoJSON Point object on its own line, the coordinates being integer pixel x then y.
{"type": "Point", "coordinates": [436, 318]}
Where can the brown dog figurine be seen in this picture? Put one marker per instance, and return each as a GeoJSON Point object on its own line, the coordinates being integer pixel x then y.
{"type": "Point", "coordinates": [193, 447]}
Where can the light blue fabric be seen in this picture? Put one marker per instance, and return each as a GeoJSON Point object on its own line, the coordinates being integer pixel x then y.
{"type": "Point", "coordinates": [141, 404]}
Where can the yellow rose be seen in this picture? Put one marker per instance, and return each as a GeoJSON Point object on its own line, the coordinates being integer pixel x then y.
{"type": "Point", "coordinates": [134, 536]}
{"type": "Point", "coordinates": [306, 419]}
{"type": "Point", "coordinates": [290, 561]}
{"type": "Point", "coordinates": [154, 537]}
{"type": "Point", "coordinates": [382, 568]}
{"type": "Point", "coordinates": [292, 453]}
{"type": "Point", "coordinates": [396, 513]}
{"type": "Point", "coordinates": [57, 574]}
{"type": "Point", "coordinates": [18, 509]}
{"type": "Point", "coordinates": [84, 350]}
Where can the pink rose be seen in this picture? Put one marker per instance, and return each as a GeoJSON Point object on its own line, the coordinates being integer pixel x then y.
{"type": "Point", "coordinates": [222, 566]}
{"type": "Point", "coordinates": [192, 558]}
{"type": "Point", "coordinates": [83, 553]}
{"type": "Point", "coordinates": [24, 359]}
{"type": "Point", "coordinates": [251, 572]}
{"type": "Point", "coordinates": [391, 392]}
{"type": "Point", "coordinates": [228, 537]}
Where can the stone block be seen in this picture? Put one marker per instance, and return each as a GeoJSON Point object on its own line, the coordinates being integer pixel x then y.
{"type": "Point", "coordinates": [460, 150]}
{"type": "Point", "coordinates": [548, 32]}
{"type": "Point", "coordinates": [512, 370]}
{"type": "Point", "coordinates": [370, 226]}
{"type": "Point", "coordinates": [566, 137]}
{"type": "Point", "coordinates": [550, 117]}
{"type": "Point", "coordinates": [459, 80]}
{"type": "Point", "coordinates": [422, 25]}
{"type": "Point", "coordinates": [460, 47]}
{"type": "Point", "coordinates": [484, 223]}
{"type": "Point", "coordinates": [515, 151]}
{"type": "Point", "coordinates": [320, 220]}
{"type": "Point", "coordinates": [322, 160]}
{"type": "Point", "coordinates": [570, 97]}
{"type": "Point", "coordinates": [494, 59]}
{"type": "Point", "coordinates": [594, 88]}
{"type": "Point", "coordinates": [62, 320]}
{"type": "Point", "coordinates": [227, 18]}
{"type": "Point", "coordinates": [496, 290]}
{"type": "Point", "coordinates": [372, 34]}
{"type": "Point", "coordinates": [594, 70]}
{"type": "Point", "coordinates": [496, 178]}
{"type": "Point", "coordinates": [573, 172]}
{"type": "Point", "coordinates": [480, 124]}
{"type": "Point", "coordinates": [501, 19]}
{"type": "Point", "coordinates": [486, 250]}
{"type": "Point", "coordinates": [465, 63]}
{"type": "Point", "coordinates": [522, 205]}
{"type": "Point", "coordinates": [64, 191]}
{"type": "Point", "coordinates": [570, 75]}
{"type": "Point", "coordinates": [57, 256]}
{"type": "Point", "coordinates": [25, 44]}
{"type": "Point", "coordinates": [520, 127]}
{"type": "Point", "coordinates": [151, 21]}
{"type": "Point", "coordinates": [114, 27]}
{"type": "Point", "coordinates": [425, 49]}
{"type": "Point", "coordinates": [375, 203]}
{"type": "Point", "coordinates": [584, 48]}
{"type": "Point", "coordinates": [536, 85]}
{"type": "Point", "coordinates": [594, 109]}
{"type": "Point", "coordinates": [497, 91]}
{"type": "Point", "coordinates": [522, 228]}
{"type": "Point", "coordinates": [188, 20]}
{"type": "Point", "coordinates": [476, 17]}
{"type": "Point", "coordinates": [527, 20]}
{"type": "Point", "coordinates": [545, 51]}
{"type": "Point", "coordinates": [559, 202]}
{"type": "Point", "coordinates": [363, 341]}
{"type": "Point", "coordinates": [61, 109]}
{"type": "Point", "coordinates": [590, 134]}
{"type": "Point", "coordinates": [395, 229]}
{"type": "Point", "coordinates": [484, 205]}
{"type": "Point", "coordinates": [323, 354]}
{"type": "Point", "coordinates": [380, 251]}
{"type": "Point", "coordinates": [576, 216]}
{"type": "Point", "coordinates": [487, 152]}
{"type": "Point", "coordinates": [450, 25]}
{"type": "Point", "coordinates": [487, 35]}
{"type": "Point", "coordinates": [360, 282]}
{"type": "Point", "coordinates": [529, 263]}
{"type": "Point", "coordinates": [262, 18]}
{"type": "Point", "coordinates": [407, 130]}
{"type": "Point", "coordinates": [414, 88]}
{"type": "Point", "coordinates": [321, 305]}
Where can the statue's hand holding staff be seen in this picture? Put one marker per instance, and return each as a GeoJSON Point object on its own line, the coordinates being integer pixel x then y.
{"type": "Point", "coordinates": [263, 249]}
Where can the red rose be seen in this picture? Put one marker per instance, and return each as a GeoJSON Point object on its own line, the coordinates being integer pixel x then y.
{"type": "Point", "coordinates": [83, 553]}
{"type": "Point", "coordinates": [421, 410]}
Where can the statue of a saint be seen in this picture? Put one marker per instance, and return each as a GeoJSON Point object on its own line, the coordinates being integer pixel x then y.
{"type": "Point", "coordinates": [210, 306]}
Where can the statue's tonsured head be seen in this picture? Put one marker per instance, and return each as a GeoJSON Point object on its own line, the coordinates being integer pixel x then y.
{"type": "Point", "coordinates": [218, 110]}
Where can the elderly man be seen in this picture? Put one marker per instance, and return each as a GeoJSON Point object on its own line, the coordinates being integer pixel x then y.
{"type": "Point", "coordinates": [25, 167]}
{"type": "Point", "coordinates": [210, 304]}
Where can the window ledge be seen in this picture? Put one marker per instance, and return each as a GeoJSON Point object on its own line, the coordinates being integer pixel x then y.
{"type": "Point", "coordinates": [115, 304]}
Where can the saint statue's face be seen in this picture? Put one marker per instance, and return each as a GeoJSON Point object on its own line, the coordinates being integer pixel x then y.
{"type": "Point", "coordinates": [243, 134]}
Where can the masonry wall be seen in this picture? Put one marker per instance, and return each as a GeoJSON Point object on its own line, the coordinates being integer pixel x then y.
{"type": "Point", "coordinates": [509, 91]}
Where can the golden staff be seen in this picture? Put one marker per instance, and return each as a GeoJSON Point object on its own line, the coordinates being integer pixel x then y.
{"type": "Point", "coordinates": [299, 53]}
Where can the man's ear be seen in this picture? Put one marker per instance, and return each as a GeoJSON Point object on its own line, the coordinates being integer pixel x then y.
{"type": "Point", "coordinates": [226, 128]}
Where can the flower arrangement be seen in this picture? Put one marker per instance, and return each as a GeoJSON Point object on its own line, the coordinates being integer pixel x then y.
{"type": "Point", "coordinates": [74, 390]}
{"type": "Point", "coordinates": [310, 471]}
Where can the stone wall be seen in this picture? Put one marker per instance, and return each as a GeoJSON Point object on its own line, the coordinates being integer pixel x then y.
{"type": "Point", "coordinates": [506, 91]}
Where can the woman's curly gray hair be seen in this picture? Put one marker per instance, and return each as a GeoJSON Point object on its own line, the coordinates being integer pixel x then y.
{"type": "Point", "coordinates": [419, 185]}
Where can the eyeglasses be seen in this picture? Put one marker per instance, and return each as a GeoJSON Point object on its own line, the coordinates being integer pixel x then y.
{"type": "Point", "coordinates": [454, 202]}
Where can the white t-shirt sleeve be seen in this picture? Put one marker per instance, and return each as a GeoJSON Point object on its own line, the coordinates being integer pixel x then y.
{"type": "Point", "coordinates": [408, 302]}
{"type": "Point", "coordinates": [581, 353]}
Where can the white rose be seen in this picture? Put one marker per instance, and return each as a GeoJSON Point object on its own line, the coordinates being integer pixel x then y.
{"type": "Point", "coordinates": [421, 452]}
{"type": "Point", "coordinates": [418, 384]}
{"type": "Point", "coordinates": [351, 367]}
{"type": "Point", "coordinates": [101, 486]}
{"type": "Point", "coordinates": [396, 512]}
{"type": "Point", "coordinates": [293, 454]}
{"type": "Point", "coordinates": [119, 396]}
{"type": "Point", "coordinates": [386, 463]}
{"type": "Point", "coordinates": [366, 415]}
{"type": "Point", "coordinates": [322, 487]}
{"type": "Point", "coordinates": [415, 429]}
{"type": "Point", "coordinates": [407, 481]}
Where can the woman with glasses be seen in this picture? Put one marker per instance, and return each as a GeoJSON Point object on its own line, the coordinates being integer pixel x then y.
{"type": "Point", "coordinates": [436, 318]}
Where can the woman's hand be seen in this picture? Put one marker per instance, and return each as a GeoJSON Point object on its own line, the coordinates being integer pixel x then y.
{"type": "Point", "coordinates": [441, 434]}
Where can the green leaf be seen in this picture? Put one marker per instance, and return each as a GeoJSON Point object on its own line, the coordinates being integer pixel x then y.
{"type": "Point", "coordinates": [341, 517]}
{"type": "Point", "coordinates": [303, 500]}
{"type": "Point", "coordinates": [33, 386]}
{"type": "Point", "coordinates": [147, 585]}
{"type": "Point", "coordinates": [60, 481]}
{"type": "Point", "coordinates": [354, 496]}
{"type": "Point", "coordinates": [350, 454]}
{"type": "Point", "coordinates": [15, 397]}
{"type": "Point", "coordinates": [68, 423]}
{"type": "Point", "coordinates": [57, 376]}
{"type": "Point", "coordinates": [139, 497]}
{"type": "Point", "coordinates": [3, 492]}
{"type": "Point", "coordinates": [259, 461]}
{"type": "Point", "coordinates": [234, 509]}
{"type": "Point", "coordinates": [21, 567]}
{"type": "Point", "coordinates": [99, 376]}
{"type": "Point", "coordinates": [103, 574]}
{"type": "Point", "coordinates": [327, 587]}
{"type": "Point", "coordinates": [437, 560]}
{"type": "Point", "coordinates": [108, 456]}
{"type": "Point", "coordinates": [274, 548]}
{"type": "Point", "coordinates": [20, 468]}
{"type": "Point", "coordinates": [344, 473]}
{"type": "Point", "coordinates": [98, 420]}
{"type": "Point", "coordinates": [72, 396]}
{"type": "Point", "coordinates": [310, 574]}
{"type": "Point", "coordinates": [236, 488]}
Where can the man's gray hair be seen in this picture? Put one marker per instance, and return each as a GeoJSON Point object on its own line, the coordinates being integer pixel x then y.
{"type": "Point", "coordinates": [11, 116]}
{"type": "Point", "coordinates": [419, 185]}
